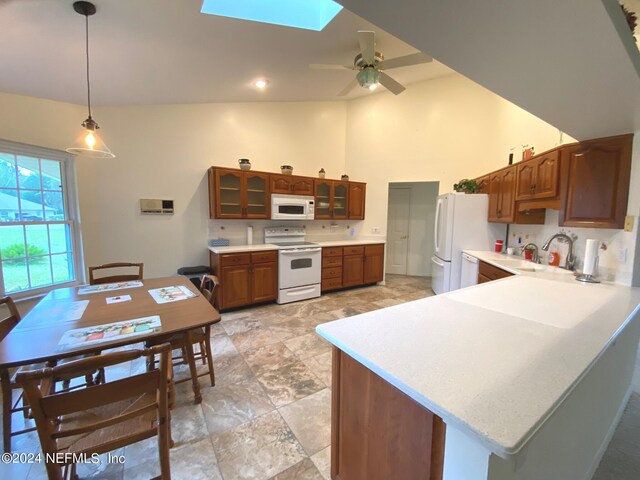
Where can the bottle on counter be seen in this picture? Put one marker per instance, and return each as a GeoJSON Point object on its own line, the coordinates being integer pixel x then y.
{"type": "Point", "coordinates": [554, 258]}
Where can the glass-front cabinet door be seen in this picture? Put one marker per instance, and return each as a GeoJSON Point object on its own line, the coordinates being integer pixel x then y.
{"type": "Point", "coordinates": [257, 195]}
{"type": "Point", "coordinates": [229, 196]}
{"type": "Point", "coordinates": [323, 198]}
{"type": "Point", "coordinates": [340, 190]}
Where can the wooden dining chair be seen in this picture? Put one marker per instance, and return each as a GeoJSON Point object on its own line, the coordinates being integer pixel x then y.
{"type": "Point", "coordinates": [8, 384]}
{"type": "Point", "coordinates": [184, 343]}
{"type": "Point", "coordinates": [104, 417]}
{"type": "Point", "coordinates": [116, 277]}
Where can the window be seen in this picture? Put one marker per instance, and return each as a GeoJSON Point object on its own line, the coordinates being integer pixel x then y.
{"type": "Point", "coordinates": [39, 234]}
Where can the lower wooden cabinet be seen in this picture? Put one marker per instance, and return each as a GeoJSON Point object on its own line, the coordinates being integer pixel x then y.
{"type": "Point", "coordinates": [487, 272]}
{"type": "Point", "coordinates": [352, 266]}
{"type": "Point", "coordinates": [245, 278]}
{"type": "Point", "coordinates": [377, 431]}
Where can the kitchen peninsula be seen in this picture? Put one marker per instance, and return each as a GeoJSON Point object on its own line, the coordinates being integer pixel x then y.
{"type": "Point", "coordinates": [528, 375]}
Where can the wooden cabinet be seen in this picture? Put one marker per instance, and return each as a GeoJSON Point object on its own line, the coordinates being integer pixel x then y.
{"type": "Point", "coordinates": [595, 177]}
{"type": "Point", "coordinates": [501, 195]}
{"type": "Point", "coordinates": [352, 266]}
{"type": "Point", "coordinates": [357, 198]}
{"type": "Point", "coordinates": [483, 184]}
{"type": "Point", "coordinates": [291, 184]}
{"type": "Point", "coordinates": [538, 178]}
{"type": "Point", "coordinates": [245, 278]}
{"type": "Point", "coordinates": [377, 431]}
{"type": "Point", "coordinates": [238, 194]}
{"type": "Point", "coordinates": [331, 268]}
{"type": "Point", "coordinates": [488, 272]}
{"type": "Point", "coordinates": [331, 199]}
{"type": "Point", "coordinates": [373, 263]}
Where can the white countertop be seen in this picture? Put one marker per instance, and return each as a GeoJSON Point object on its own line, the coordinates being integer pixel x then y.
{"type": "Point", "coordinates": [244, 248]}
{"type": "Point", "coordinates": [270, 246]}
{"type": "Point", "coordinates": [495, 360]}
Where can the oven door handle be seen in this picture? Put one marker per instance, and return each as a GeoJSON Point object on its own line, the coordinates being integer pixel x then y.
{"type": "Point", "coordinates": [301, 250]}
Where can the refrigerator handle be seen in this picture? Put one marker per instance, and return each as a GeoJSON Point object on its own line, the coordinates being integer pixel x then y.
{"type": "Point", "coordinates": [436, 230]}
{"type": "Point", "coordinates": [437, 261]}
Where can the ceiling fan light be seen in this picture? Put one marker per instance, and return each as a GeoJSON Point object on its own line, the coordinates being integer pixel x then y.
{"type": "Point", "coordinates": [367, 77]}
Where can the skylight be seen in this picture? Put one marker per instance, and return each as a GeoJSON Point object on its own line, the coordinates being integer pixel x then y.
{"type": "Point", "coordinates": [307, 14]}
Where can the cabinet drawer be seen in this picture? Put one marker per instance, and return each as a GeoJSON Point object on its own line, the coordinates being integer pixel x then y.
{"type": "Point", "coordinates": [332, 252]}
{"type": "Point", "coordinates": [359, 250]}
{"type": "Point", "coordinates": [234, 259]}
{"type": "Point", "coordinates": [331, 262]}
{"type": "Point", "coordinates": [331, 272]}
{"type": "Point", "coordinates": [374, 250]}
{"type": "Point", "coordinates": [331, 284]}
{"type": "Point", "coordinates": [491, 272]}
{"type": "Point", "coordinates": [262, 257]}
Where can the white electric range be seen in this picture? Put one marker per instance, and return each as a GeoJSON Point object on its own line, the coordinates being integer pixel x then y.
{"type": "Point", "coordinates": [299, 263]}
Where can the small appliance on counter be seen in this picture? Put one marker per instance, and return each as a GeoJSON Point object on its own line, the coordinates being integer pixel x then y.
{"type": "Point", "coordinates": [299, 264]}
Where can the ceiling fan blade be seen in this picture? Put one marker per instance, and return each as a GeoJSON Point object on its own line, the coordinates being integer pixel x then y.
{"type": "Point", "coordinates": [350, 86]}
{"type": "Point", "coordinates": [367, 46]}
{"type": "Point", "coordinates": [390, 84]}
{"type": "Point", "coordinates": [406, 60]}
{"type": "Point", "coordinates": [325, 66]}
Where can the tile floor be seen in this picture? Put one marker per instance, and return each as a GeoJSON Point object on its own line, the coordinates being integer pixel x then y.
{"type": "Point", "coordinates": [268, 417]}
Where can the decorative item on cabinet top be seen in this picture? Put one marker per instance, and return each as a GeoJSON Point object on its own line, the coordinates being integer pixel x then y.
{"type": "Point", "coordinates": [465, 185]}
{"type": "Point", "coordinates": [321, 173]}
{"type": "Point", "coordinates": [245, 164]}
{"type": "Point", "coordinates": [286, 169]}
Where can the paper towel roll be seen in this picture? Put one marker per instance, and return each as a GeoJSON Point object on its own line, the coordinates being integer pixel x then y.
{"type": "Point", "coordinates": [249, 235]}
{"type": "Point", "coordinates": [591, 256]}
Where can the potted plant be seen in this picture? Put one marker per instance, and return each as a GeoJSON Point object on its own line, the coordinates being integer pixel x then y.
{"type": "Point", "coordinates": [465, 185]}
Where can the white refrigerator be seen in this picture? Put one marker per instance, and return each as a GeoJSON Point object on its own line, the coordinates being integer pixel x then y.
{"type": "Point", "coordinates": [461, 224]}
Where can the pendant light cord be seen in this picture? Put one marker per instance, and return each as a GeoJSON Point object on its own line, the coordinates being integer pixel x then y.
{"type": "Point", "coordinates": [86, 17]}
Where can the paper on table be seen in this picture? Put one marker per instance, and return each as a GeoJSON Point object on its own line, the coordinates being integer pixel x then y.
{"type": "Point", "coordinates": [65, 311]}
{"type": "Point", "coordinates": [109, 332]}
{"type": "Point", "coordinates": [107, 287]}
{"type": "Point", "coordinates": [121, 298]}
{"type": "Point", "coordinates": [171, 294]}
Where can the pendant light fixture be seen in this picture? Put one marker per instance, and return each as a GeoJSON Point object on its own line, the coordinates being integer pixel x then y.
{"type": "Point", "coordinates": [88, 143]}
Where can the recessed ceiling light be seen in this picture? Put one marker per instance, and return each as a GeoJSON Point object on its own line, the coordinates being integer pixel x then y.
{"type": "Point", "coordinates": [261, 84]}
{"type": "Point", "coordinates": [307, 14]}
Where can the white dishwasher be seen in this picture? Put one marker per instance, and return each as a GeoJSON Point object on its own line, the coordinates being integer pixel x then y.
{"type": "Point", "coordinates": [469, 275]}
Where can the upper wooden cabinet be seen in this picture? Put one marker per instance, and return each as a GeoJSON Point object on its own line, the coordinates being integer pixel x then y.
{"type": "Point", "coordinates": [538, 177]}
{"type": "Point", "coordinates": [291, 184]}
{"type": "Point", "coordinates": [595, 183]}
{"type": "Point", "coordinates": [483, 184]}
{"type": "Point", "coordinates": [587, 181]}
{"type": "Point", "coordinates": [331, 199]}
{"type": "Point", "coordinates": [238, 194]}
{"type": "Point", "coordinates": [502, 186]}
{"type": "Point", "coordinates": [357, 198]}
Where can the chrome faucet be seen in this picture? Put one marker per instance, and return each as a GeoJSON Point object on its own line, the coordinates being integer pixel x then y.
{"type": "Point", "coordinates": [534, 257]}
{"type": "Point", "coordinates": [570, 262]}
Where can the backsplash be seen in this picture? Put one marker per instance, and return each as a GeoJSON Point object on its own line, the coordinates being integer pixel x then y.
{"type": "Point", "coordinates": [615, 262]}
{"type": "Point", "coordinates": [317, 230]}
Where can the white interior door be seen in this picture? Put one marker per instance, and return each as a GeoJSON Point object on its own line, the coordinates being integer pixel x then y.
{"type": "Point", "coordinates": [398, 230]}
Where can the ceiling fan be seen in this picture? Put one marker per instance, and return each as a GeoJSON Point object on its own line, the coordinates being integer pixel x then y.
{"type": "Point", "coordinates": [370, 65]}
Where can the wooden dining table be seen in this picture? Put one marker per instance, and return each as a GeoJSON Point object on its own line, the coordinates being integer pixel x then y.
{"type": "Point", "coordinates": [36, 338]}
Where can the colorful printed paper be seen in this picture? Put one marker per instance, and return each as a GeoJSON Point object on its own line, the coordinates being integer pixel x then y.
{"type": "Point", "coordinates": [109, 332]}
{"type": "Point", "coordinates": [171, 294]}
{"type": "Point", "coordinates": [108, 287]}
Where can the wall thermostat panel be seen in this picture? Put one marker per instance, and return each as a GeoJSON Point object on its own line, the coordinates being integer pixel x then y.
{"type": "Point", "coordinates": [156, 206]}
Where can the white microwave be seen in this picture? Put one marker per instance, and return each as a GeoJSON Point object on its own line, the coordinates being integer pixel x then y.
{"type": "Point", "coordinates": [292, 207]}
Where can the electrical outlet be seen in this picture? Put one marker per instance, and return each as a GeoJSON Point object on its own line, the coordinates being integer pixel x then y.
{"type": "Point", "coordinates": [622, 255]}
{"type": "Point", "coordinates": [628, 223]}
{"type": "Point", "coordinates": [375, 230]}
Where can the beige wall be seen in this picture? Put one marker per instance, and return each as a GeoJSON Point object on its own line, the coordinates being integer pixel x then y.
{"type": "Point", "coordinates": [164, 152]}
{"type": "Point", "coordinates": [438, 130]}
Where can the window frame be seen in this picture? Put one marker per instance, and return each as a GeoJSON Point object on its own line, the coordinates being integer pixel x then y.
{"type": "Point", "coordinates": [72, 209]}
